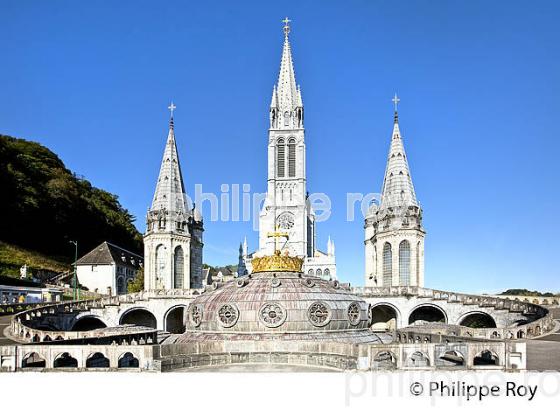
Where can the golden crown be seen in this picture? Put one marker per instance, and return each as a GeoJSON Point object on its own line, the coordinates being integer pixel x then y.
{"type": "Point", "coordinates": [277, 263]}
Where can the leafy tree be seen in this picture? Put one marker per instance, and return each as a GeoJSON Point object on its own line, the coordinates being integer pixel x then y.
{"type": "Point", "coordinates": [137, 284]}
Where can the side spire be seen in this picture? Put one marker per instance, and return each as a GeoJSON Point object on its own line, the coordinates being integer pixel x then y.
{"type": "Point", "coordinates": [398, 189]}
{"type": "Point", "coordinates": [170, 193]}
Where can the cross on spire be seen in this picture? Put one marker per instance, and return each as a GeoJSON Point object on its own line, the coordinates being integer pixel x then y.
{"type": "Point", "coordinates": [286, 22]}
{"type": "Point", "coordinates": [172, 108]}
{"type": "Point", "coordinates": [396, 100]}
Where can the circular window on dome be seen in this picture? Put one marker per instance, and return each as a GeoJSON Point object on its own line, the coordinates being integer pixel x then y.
{"type": "Point", "coordinates": [354, 313]}
{"type": "Point", "coordinates": [319, 314]}
{"type": "Point", "coordinates": [228, 315]}
{"type": "Point", "coordinates": [272, 314]}
{"type": "Point", "coordinates": [195, 315]}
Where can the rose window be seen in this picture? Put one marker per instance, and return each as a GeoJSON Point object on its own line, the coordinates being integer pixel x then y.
{"type": "Point", "coordinates": [272, 315]}
{"type": "Point", "coordinates": [354, 313]}
{"type": "Point", "coordinates": [319, 314]}
{"type": "Point", "coordinates": [228, 315]}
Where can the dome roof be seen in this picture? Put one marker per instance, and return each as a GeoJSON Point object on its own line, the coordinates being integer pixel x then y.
{"type": "Point", "coordinates": [279, 305]}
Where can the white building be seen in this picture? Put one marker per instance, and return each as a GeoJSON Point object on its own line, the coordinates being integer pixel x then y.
{"type": "Point", "coordinates": [108, 268]}
{"type": "Point", "coordinates": [173, 238]}
{"type": "Point", "coordinates": [394, 236]}
{"type": "Point", "coordinates": [286, 207]}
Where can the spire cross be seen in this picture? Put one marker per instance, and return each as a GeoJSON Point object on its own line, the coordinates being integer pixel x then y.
{"type": "Point", "coordinates": [286, 22]}
{"type": "Point", "coordinates": [172, 108]}
{"type": "Point", "coordinates": [277, 234]}
{"type": "Point", "coordinates": [396, 100]}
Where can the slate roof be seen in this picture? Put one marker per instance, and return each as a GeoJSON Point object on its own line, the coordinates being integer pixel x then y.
{"type": "Point", "coordinates": [108, 253]}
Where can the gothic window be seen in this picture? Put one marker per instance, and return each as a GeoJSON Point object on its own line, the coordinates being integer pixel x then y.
{"type": "Point", "coordinates": [280, 159]}
{"type": "Point", "coordinates": [160, 262]}
{"type": "Point", "coordinates": [179, 266]}
{"type": "Point", "coordinates": [404, 263]}
{"type": "Point", "coordinates": [418, 264]}
{"type": "Point", "coordinates": [286, 119]}
{"type": "Point", "coordinates": [285, 220]}
{"type": "Point", "coordinates": [292, 158]}
{"type": "Point", "coordinates": [387, 265]}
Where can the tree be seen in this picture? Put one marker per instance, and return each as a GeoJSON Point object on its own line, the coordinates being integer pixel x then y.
{"type": "Point", "coordinates": [137, 285]}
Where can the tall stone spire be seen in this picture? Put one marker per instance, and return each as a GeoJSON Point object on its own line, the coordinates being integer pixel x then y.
{"type": "Point", "coordinates": [398, 189]}
{"type": "Point", "coordinates": [394, 235]}
{"type": "Point", "coordinates": [286, 105]}
{"type": "Point", "coordinates": [170, 190]}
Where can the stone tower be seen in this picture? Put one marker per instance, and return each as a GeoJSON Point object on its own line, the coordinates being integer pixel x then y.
{"type": "Point", "coordinates": [173, 239]}
{"type": "Point", "coordinates": [286, 206]}
{"type": "Point", "coordinates": [394, 236]}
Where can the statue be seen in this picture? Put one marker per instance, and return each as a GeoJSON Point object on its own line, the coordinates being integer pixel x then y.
{"type": "Point", "coordinates": [23, 272]}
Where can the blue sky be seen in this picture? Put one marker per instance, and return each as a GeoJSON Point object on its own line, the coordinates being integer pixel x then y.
{"type": "Point", "coordinates": [478, 82]}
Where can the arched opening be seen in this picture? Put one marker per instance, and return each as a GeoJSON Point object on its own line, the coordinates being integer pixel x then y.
{"type": "Point", "coordinates": [178, 268]}
{"type": "Point", "coordinates": [161, 263]}
{"type": "Point", "coordinates": [387, 265]}
{"type": "Point", "coordinates": [65, 360]}
{"type": "Point", "coordinates": [128, 360]}
{"type": "Point", "coordinates": [121, 286]}
{"type": "Point", "coordinates": [486, 358]}
{"type": "Point", "coordinates": [175, 320]}
{"type": "Point", "coordinates": [385, 360]}
{"type": "Point", "coordinates": [418, 359]}
{"type": "Point", "coordinates": [404, 263]}
{"type": "Point", "coordinates": [139, 317]}
{"type": "Point", "coordinates": [87, 323]}
{"type": "Point", "coordinates": [384, 318]}
{"type": "Point", "coordinates": [427, 313]}
{"type": "Point", "coordinates": [292, 158]}
{"type": "Point", "coordinates": [33, 360]}
{"type": "Point", "coordinates": [452, 358]}
{"type": "Point", "coordinates": [478, 320]}
{"type": "Point", "coordinates": [97, 360]}
{"type": "Point", "coordinates": [280, 159]}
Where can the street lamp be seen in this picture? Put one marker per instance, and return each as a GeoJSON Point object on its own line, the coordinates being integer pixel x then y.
{"type": "Point", "coordinates": [75, 243]}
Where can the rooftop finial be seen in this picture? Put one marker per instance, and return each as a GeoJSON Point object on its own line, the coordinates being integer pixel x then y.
{"type": "Point", "coordinates": [286, 22]}
{"type": "Point", "coordinates": [171, 108]}
{"type": "Point", "coordinates": [396, 101]}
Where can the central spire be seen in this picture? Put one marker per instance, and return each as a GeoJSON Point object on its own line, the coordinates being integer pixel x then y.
{"type": "Point", "coordinates": [286, 106]}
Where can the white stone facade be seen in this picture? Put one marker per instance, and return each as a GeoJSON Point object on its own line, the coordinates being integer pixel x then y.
{"type": "Point", "coordinates": [173, 240]}
{"type": "Point", "coordinates": [286, 207]}
{"type": "Point", "coordinates": [394, 235]}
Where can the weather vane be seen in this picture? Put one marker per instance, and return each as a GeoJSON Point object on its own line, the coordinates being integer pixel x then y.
{"type": "Point", "coordinates": [286, 22]}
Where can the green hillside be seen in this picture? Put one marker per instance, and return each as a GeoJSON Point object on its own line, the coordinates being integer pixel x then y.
{"type": "Point", "coordinates": [44, 206]}
{"type": "Point", "coordinates": [12, 258]}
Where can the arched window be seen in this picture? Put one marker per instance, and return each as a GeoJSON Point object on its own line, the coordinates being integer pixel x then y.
{"type": "Point", "coordinates": [292, 158]}
{"type": "Point", "coordinates": [310, 272]}
{"type": "Point", "coordinates": [387, 265]}
{"type": "Point", "coordinates": [286, 119]}
{"type": "Point", "coordinates": [319, 272]}
{"type": "Point", "coordinates": [327, 272]}
{"type": "Point", "coordinates": [178, 268]}
{"type": "Point", "coordinates": [418, 264]}
{"type": "Point", "coordinates": [280, 159]}
{"type": "Point", "coordinates": [404, 263]}
{"type": "Point", "coordinates": [161, 259]}
{"type": "Point", "coordinates": [121, 288]}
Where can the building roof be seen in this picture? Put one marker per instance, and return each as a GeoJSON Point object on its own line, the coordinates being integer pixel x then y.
{"type": "Point", "coordinates": [108, 253]}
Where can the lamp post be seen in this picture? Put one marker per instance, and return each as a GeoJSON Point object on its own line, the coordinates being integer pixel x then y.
{"type": "Point", "coordinates": [75, 279]}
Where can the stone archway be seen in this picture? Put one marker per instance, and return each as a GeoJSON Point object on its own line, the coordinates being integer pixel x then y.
{"type": "Point", "coordinates": [33, 360]}
{"type": "Point", "coordinates": [87, 323]}
{"type": "Point", "coordinates": [65, 360]}
{"type": "Point", "coordinates": [477, 320]}
{"type": "Point", "coordinates": [128, 360]}
{"type": "Point", "coordinates": [427, 313]}
{"type": "Point", "coordinates": [384, 317]}
{"type": "Point", "coordinates": [174, 320]}
{"type": "Point", "coordinates": [97, 360]}
{"type": "Point", "coordinates": [139, 317]}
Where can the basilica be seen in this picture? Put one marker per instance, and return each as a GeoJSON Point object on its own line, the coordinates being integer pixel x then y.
{"type": "Point", "coordinates": [286, 306]}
